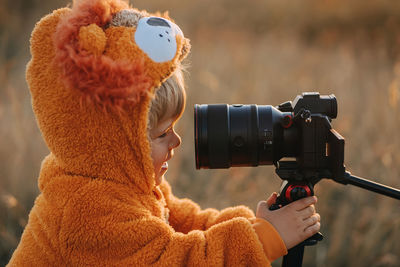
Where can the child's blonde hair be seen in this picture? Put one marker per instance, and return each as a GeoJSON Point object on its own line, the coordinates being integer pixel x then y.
{"type": "Point", "coordinates": [169, 100]}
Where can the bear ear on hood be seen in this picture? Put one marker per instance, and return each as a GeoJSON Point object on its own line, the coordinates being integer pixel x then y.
{"type": "Point", "coordinates": [92, 39]}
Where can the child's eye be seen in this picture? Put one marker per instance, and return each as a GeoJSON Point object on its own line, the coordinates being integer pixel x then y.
{"type": "Point", "coordinates": [163, 135]}
{"type": "Point", "coordinates": [166, 132]}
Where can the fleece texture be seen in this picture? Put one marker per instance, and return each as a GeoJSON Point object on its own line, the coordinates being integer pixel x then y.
{"type": "Point", "coordinates": [91, 86]}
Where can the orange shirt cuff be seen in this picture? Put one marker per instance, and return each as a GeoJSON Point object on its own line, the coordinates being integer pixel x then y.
{"type": "Point", "coordinates": [273, 245]}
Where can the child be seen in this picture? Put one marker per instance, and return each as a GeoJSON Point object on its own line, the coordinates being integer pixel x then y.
{"type": "Point", "coordinates": [103, 200]}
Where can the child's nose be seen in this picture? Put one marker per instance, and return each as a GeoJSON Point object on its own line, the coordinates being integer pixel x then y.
{"type": "Point", "coordinates": [176, 141]}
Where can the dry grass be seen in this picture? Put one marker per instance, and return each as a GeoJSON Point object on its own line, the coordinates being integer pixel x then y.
{"type": "Point", "coordinates": [263, 52]}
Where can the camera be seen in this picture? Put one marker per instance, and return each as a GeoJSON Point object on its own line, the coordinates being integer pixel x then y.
{"type": "Point", "coordinates": [297, 137]}
{"type": "Point", "coordinates": [251, 135]}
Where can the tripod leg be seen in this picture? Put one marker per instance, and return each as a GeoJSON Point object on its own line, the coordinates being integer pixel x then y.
{"type": "Point", "coordinates": [294, 258]}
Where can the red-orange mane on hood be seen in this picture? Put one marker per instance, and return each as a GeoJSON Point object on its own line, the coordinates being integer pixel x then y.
{"type": "Point", "coordinates": [98, 77]}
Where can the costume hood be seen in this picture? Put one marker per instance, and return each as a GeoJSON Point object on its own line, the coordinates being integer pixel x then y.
{"type": "Point", "coordinates": [93, 71]}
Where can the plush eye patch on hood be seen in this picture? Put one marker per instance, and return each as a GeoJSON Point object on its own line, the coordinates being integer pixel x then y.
{"type": "Point", "coordinates": [157, 38]}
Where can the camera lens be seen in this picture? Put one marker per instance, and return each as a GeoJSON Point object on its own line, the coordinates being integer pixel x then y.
{"type": "Point", "coordinates": [241, 135]}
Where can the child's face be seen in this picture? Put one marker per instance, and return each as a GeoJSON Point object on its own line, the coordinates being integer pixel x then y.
{"type": "Point", "coordinates": [163, 140]}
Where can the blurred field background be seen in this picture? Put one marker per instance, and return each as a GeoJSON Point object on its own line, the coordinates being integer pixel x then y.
{"type": "Point", "coordinates": [253, 51]}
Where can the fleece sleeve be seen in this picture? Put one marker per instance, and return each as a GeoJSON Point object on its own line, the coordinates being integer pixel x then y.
{"type": "Point", "coordinates": [185, 215]}
{"type": "Point", "coordinates": [273, 245]}
{"type": "Point", "coordinates": [99, 228]}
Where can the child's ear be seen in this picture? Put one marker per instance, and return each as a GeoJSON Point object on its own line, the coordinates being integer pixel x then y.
{"type": "Point", "coordinates": [93, 39]}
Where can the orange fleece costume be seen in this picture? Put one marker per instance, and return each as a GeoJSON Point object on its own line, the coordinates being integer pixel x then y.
{"type": "Point", "coordinates": [91, 86]}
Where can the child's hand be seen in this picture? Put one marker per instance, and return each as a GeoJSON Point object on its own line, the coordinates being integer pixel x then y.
{"type": "Point", "coordinates": [294, 222]}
